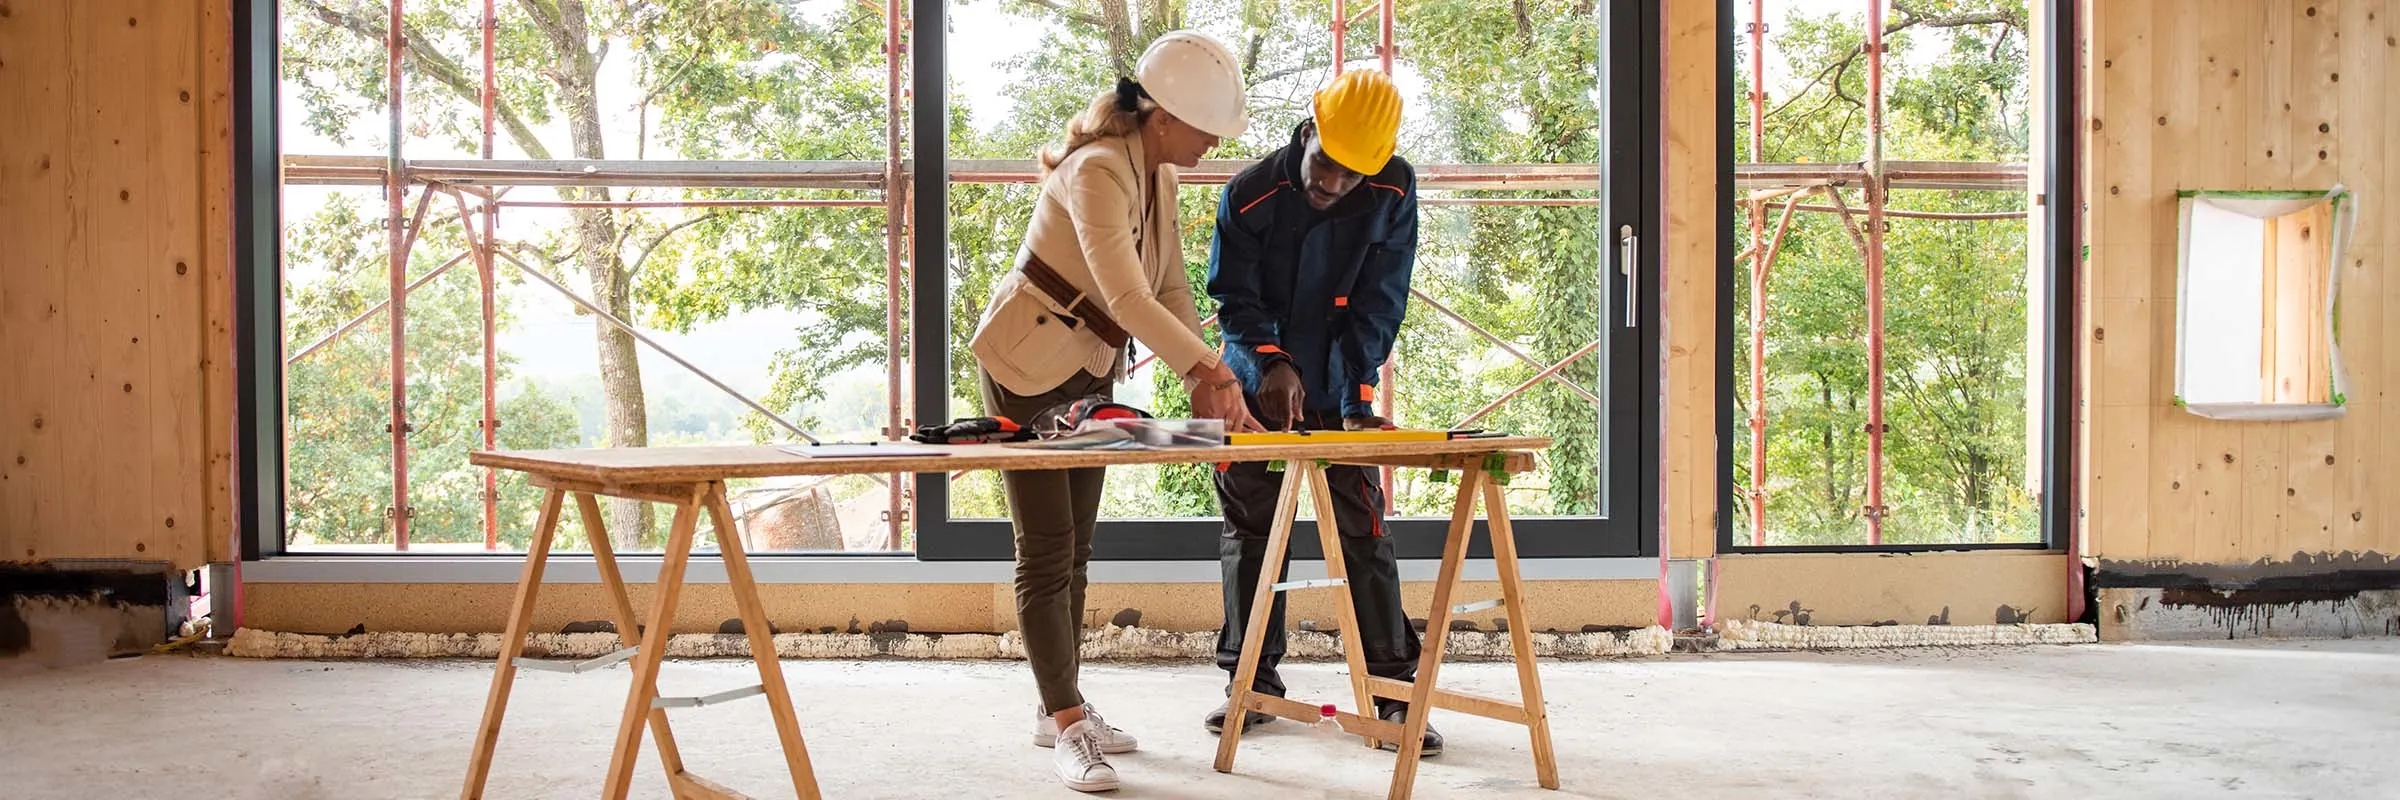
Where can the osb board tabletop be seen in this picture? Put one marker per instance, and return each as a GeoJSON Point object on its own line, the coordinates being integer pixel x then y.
{"type": "Point", "coordinates": [657, 465]}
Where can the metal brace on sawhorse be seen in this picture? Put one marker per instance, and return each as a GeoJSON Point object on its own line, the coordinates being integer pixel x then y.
{"type": "Point", "coordinates": [643, 705]}
{"type": "Point", "coordinates": [1422, 695]}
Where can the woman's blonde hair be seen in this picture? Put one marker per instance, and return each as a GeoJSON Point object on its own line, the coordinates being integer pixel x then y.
{"type": "Point", "coordinates": [1108, 115]}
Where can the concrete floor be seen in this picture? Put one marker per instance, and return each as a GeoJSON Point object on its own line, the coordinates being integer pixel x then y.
{"type": "Point", "coordinates": [2317, 719]}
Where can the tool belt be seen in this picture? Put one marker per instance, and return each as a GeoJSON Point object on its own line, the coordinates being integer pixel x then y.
{"type": "Point", "coordinates": [1046, 279]}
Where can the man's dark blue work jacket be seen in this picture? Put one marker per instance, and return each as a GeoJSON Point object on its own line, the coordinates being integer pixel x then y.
{"type": "Point", "coordinates": [1325, 289]}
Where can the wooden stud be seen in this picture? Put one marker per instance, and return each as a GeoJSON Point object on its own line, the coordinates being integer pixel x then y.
{"type": "Point", "coordinates": [512, 642]}
{"type": "Point", "coordinates": [1437, 636]}
{"type": "Point", "coordinates": [629, 626]}
{"type": "Point", "coordinates": [108, 431]}
{"type": "Point", "coordinates": [214, 97]}
{"type": "Point", "coordinates": [669, 589]}
{"type": "Point", "coordinates": [1520, 633]}
{"type": "Point", "coordinates": [762, 644]}
{"type": "Point", "coordinates": [169, 383]}
{"type": "Point", "coordinates": [1278, 543]}
{"type": "Point", "coordinates": [1329, 539]}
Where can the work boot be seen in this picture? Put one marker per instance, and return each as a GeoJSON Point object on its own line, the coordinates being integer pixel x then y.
{"type": "Point", "coordinates": [1433, 739]}
{"type": "Point", "coordinates": [1112, 740]}
{"type": "Point", "coordinates": [1216, 719]}
{"type": "Point", "coordinates": [1079, 762]}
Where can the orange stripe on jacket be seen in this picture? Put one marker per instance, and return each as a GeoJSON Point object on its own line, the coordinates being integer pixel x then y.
{"type": "Point", "coordinates": [1263, 198]}
{"type": "Point", "coordinates": [1366, 394]}
{"type": "Point", "coordinates": [1395, 189]}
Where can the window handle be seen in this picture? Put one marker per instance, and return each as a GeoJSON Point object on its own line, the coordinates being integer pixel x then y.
{"type": "Point", "coordinates": [1627, 246]}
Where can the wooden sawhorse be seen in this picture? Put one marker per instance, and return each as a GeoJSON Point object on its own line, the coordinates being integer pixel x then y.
{"type": "Point", "coordinates": [642, 703]}
{"type": "Point", "coordinates": [1478, 475]}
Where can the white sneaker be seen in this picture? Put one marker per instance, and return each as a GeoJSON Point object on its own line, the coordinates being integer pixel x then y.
{"type": "Point", "coordinates": [1079, 762]}
{"type": "Point", "coordinates": [1112, 740]}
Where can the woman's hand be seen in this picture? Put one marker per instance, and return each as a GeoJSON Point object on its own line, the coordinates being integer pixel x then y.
{"type": "Point", "coordinates": [1218, 395]}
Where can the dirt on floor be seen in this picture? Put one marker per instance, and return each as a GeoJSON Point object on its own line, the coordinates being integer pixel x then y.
{"type": "Point", "coordinates": [2313, 719]}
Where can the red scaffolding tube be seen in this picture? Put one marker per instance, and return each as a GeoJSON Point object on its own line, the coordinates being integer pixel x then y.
{"type": "Point", "coordinates": [1758, 281]}
{"type": "Point", "coordinates": [1876, 191]}
{"type": "Point", "coordinates": [395, 190]}
{"type": "Point", "coordinates": [483, 272]}
{"type": "Point", "coordinates": [895, 197]}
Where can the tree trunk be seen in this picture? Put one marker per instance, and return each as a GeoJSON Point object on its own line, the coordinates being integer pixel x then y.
{"type": "Point", "coordinates": [630, 522]}
{"type": "Point", "coordinates": [1120, 35]}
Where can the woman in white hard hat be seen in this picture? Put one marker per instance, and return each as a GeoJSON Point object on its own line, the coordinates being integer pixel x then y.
{"type": "Point", "coordinates": [1102, 264]}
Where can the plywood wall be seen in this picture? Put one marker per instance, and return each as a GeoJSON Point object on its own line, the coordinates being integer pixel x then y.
{"type": "Point", "coordinates": [2234, 94]}
{"type": "Point", "coordinates": [112, 293]}
{"type": "Point", "coordinates": [1694, 216]}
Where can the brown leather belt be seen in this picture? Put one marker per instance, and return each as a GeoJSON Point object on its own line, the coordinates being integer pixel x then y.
{"type": "Point", "coordinates": [1047, 279]}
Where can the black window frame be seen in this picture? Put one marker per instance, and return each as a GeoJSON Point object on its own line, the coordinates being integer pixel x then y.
{"type": "Point", "coordinates": [1635, 35]}
{"type": "Point", "coordinates": [1631, 171]}
{"type": "Point", "coordinates": [2062, 213]}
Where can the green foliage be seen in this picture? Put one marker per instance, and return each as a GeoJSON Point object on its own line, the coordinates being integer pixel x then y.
{"type": "Point", "coordinates": [339, 448]}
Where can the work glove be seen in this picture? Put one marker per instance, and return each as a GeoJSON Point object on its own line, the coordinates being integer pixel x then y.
{"type": "Point", "coordinates": [1368, 423]}
{"type": "Point", "coordinates": [973, 430]}
{"type": "Point", "coordinates": [1281, 396]}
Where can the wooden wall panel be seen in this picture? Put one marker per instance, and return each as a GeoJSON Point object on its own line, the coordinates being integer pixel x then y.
{"type": "Point", "coordinates": [2233, 94]}
{"type": "Point", "coordinates": [34, 53]}
{"type": "Point", "coordinates": [1694, 212]}
{"type": "Point", "coordinates": [102, 281]}
{"type": "Point", "coordinates": [214, 95]}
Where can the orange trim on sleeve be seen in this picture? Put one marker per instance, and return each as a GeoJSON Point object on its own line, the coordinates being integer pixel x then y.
{"type": "Point", "coordinates": [1270, 349]}
{"type": "Point", "coordinates": [1366, 394]}
{"type": "Point", "coordinates": [1395, 189]}
{"type": "Point", "coordinates": [1261, 199]}
{"type": "Point", "coordinates": [1341, 302]}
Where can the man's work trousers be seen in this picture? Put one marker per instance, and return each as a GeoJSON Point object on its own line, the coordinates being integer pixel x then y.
{"type": "Point", "coordinates": [1247, 493]}
{"type": "Point", "coordinates": [1053, 513]}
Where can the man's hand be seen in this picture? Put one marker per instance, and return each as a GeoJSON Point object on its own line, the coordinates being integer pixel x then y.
{"type": "Point", "coordinates": [1281, 396]}
{"type": "Point", "coordinates": [1368, 423]}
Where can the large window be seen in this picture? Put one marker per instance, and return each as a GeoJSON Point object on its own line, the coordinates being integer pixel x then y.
{"type": "Point", "coordinates": [1893, 282]}
{"type": "Point", "coordinates": [646, 222]}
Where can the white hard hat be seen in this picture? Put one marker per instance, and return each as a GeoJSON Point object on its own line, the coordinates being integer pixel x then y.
{"type": "Point", "coordinates": [1195, 78]}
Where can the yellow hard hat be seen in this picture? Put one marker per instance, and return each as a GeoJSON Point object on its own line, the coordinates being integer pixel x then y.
{"type": "Point", "coordinates": [1358, 120]}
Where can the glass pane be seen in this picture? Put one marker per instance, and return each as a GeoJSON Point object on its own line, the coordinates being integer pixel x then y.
{"type": "Point", "coordinates": [1028, 68]}
{"type": "Point", "coordinates": [778, 292]}
{"type": "Point", "coordinates": [710, 81]}
{"type": "Point", "coordinates": [1959, 424]}
{"type": "Point", "coordinates": [338, 453]}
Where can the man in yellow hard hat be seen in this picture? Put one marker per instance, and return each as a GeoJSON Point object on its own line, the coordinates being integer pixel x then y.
{"type": "Point", "coordinates": [1310, 267]}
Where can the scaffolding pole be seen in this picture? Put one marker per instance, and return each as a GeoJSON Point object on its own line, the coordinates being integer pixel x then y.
{"type": "Point", "coordinates": [1759, 262]}
{"type": "Point", "coordinates": [1876, 190]}
{"type": "Point", "coordinates": [483, 271]}
{"type": "Point", "coordinates": [895, 198]}
{"type": "Point", "coordinates": [395, 191]}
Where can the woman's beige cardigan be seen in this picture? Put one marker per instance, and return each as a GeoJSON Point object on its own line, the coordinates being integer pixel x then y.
{"type": "Point", "coordinates": [1088, 225]}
